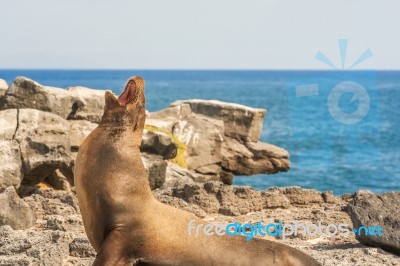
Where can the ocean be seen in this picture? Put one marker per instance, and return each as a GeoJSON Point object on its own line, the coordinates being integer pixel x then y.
{"type": "Point", "coordinates": [342, 128]}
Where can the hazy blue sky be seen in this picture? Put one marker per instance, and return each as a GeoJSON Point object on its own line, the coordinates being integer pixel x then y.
{"type": "Point", "coordinates": [206, 34]}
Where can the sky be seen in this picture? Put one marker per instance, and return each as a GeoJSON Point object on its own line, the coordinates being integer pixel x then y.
{"type": "Point", "coordinates": [206, 34]}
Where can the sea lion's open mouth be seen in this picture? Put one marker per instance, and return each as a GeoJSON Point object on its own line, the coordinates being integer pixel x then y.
{"type": "Point", "coordinates": [129, 93]}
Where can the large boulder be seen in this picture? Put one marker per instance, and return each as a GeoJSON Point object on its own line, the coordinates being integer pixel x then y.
{"type": "Point", "coordinates": [14, 211]}
{"type": "Point", "coordinates": [240, 122]}
{"type": "Point", "coordinates": [73, 103]}
{"type": "Point", "coordinates": [221, 139]}
{"type": "Point", "coordinates": [368, 209]}
{"type": "Point", "coordinates": [44, 143]}
{"type": "Point", "coordinates": [10, 154]}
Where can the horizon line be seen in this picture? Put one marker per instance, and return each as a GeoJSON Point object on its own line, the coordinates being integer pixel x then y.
{"type": "Point", "coordinates": [192, 69]}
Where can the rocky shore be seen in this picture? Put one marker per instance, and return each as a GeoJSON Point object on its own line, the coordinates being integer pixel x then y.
{"type": "Point", "coordinates": [192, 150]}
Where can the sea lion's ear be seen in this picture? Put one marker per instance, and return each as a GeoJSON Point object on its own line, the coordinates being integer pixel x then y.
{"type": "Point", "coordinates": [111, 101]}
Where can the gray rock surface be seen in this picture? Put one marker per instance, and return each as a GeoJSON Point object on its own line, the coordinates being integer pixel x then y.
{"type": "Point", "coordinates": [44, 143]}
{"type": "Point", "coordinates": [216, 197]}
{"type": "Point", "coordinates": [11, 164]}
{"type": "Point", "coordinates": [73, 103]}
{"type": "Point", "coordinates": [253, 158]}
{"type": "Point", "coordinates": [158, 143]}
{"type": "Point", "coordinates": [368, 209]}
{"type": "Point", "coordinates": [79, 130]}
{"type": "Point", "coordinates": [33, 144]}
{"type": "Point", "coordinates": [203, 137]}
{"type": "Point", "coordinates": [15, 212]}
{"type": "Point", "coordinates": [156, 168]}
{"type": "Point", "coordinates": [10, 154]}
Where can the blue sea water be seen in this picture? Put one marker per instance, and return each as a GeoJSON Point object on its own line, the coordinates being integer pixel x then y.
{"type": "Point", "coordinates": [343, 144]}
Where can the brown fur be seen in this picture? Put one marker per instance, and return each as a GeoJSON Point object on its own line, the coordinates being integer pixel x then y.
{"type": "Point", "coordinates": [124, 222]}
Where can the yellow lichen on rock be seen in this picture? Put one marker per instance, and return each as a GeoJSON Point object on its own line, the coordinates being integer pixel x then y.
{"type": "Point", "coordinates": [180, 154]}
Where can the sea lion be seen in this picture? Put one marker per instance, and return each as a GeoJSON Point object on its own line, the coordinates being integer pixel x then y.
{"type": "Point", "coordinates": [124, 222]}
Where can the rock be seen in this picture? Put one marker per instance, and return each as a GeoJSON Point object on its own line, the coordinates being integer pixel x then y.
{"type": "Point", "coordinates": [239, 200]}
{"type": "Point", "coordinates": [156, 168]}
{"type": "Point", "coordinates": [302, 196]}
{"type": "Point", "coordinates": [240, 122]}
{"type": "Point", "coordinates": [275, 199]}
{"type": "Point", "coordinates": [179, 203]}
{"type": "Point", "coordinates": [196, 194]}
{"type": "Point", "coordinates": [47, 248]}
{"type": "Point", "coordinates": [55, 222]}
{"type": "Point", "coordinates": [80, 247]}
{"type": "Point", "coordinates": [73, 103]}
{"type": "Point", "coordinates": [59, 181]}
{"type": "Point", "coordinates": [79, 130]}
{"type": "Point", "coordinates": [253, 159]}
{"type": "Point", "coordinates": [362, 192]}
{"type": "Point", "coordinates": [87, 104]}
{"type": "Point", "coordinates": [329, 197]}
{"type": "Point", "coordinates": [177, 175]}
{"type": "Point", "coordinates": [8, 122]}
{"type": "Point", "coordinates": [216, 197]}
{"type": "Point", "coordinates": [44, 143]}
{"type": "Point", "coordinates": [221, 139]}
{"type": "Point", "coordinates": [68, 170]}
{"type": "Point", "coordinates": [262, 151]}
{"type": "Point", "coordinates": [3, 87]}
{"type": "Point", "coordinates": [15, 212]}
{"type": "Point", "coordinates": [167, 118]}
{"type": "Point", "coordinates": [369, 209]}
{"type": "Point", "coordinates": [203, 137]}
{"type": "Point", "coordinates": [11, 164]}
{"type": "Point", "coordinates": [10, 155]}
{"type": "Point", "coordinates": [158, 143]}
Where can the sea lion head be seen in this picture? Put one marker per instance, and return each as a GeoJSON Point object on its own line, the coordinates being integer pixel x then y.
{"type": "Point", "coordinates": [129, 109]}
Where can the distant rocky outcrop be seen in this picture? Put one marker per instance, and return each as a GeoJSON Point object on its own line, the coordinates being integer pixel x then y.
{"type": "Point", "coordinates": [368, 209]}
{"type": "Point", "coordinates": [222, 139]}
{"type": "Point", "coordinates": [77, 103]}
{"type": "Point", "coordinates": [43, 127]}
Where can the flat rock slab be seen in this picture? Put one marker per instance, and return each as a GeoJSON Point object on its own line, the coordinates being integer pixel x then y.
{"type": "Point", "coordinates": [382, 210]}
{"type": "Point", "coordinates": [241, 122]}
